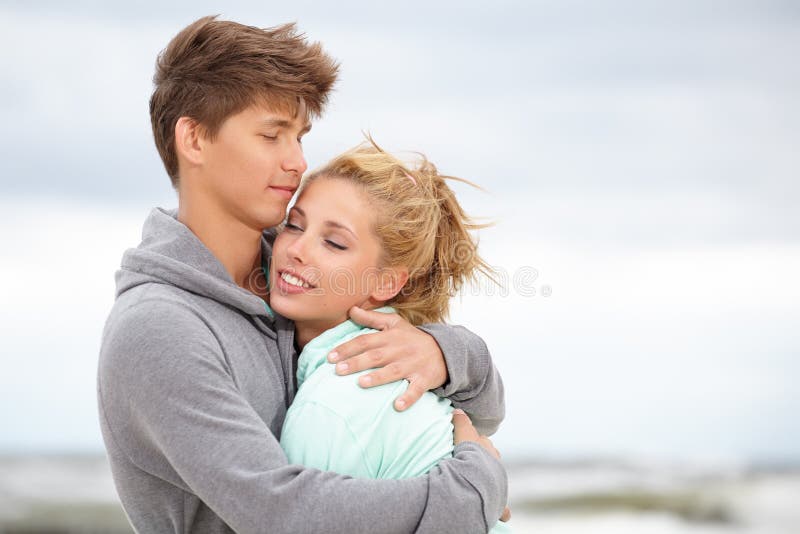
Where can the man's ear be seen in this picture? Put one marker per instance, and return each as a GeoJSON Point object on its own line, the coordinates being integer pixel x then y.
{"type": "Point", "coordinates": [189, 140]}
{"type": "Point", "coordinates": [390, 282]}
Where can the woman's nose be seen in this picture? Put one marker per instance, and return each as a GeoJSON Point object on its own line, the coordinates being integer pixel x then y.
{"type": "Point", "coordinates": [297, 249]}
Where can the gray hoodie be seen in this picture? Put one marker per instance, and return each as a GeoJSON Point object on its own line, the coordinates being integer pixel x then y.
{"type": "Point", "coordinates": [194, 380]}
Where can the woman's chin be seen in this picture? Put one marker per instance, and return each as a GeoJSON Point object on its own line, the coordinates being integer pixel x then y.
{"type": "Point", "coordinates": [284, 305]}
{"type": "Point", "coordinates": [279, 305]}
{"type": "Point", "coordinates": [301, 315]}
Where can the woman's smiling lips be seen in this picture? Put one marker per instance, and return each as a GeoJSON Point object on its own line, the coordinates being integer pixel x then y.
{"type": "Point", "coordinates": [290, 283]}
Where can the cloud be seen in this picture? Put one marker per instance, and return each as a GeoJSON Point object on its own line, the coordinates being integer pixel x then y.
{"type": "Point", "coordinates": [682, 351]}
{"type": "Point", "coordinates": [634, 351]}
{"type": "Point", "coordinates": [641, 156]}
{"type": "Point", "coordinates": [56, 271]}
{"type": "Point", "coordinates": [529, 97]}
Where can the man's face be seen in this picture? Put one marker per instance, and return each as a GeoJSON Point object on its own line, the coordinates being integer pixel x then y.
{"type": "Point", "coordinates": [254, 165]}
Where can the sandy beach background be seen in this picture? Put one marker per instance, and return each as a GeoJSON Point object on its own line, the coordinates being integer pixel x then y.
{"type": "Point", "coordinates": [75, 494]}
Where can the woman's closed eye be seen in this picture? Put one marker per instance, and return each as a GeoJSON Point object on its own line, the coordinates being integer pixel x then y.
{"type": "Point", "coordinates": [292, 227]}
{"type": "Point", "coordinates": [335, 245]}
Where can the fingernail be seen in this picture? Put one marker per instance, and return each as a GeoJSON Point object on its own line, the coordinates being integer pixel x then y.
{"type": "Point", "coordinates": [401, 404]}
{"type": "Point", "coordinates": [333, 356]}
{"type": "Point", "coordinates": [365, 380]}
{"type": "Point", "coordinates": [458, 411]}
{"type": "Point", "coordinates": [342, 367]}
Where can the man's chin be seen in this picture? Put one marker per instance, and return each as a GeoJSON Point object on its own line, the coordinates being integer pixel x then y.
{"type": "Point", "coordinates": [271, 220]}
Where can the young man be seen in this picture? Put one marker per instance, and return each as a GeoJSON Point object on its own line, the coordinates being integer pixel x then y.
{"type": "Point", "coordinates": [196, 372]}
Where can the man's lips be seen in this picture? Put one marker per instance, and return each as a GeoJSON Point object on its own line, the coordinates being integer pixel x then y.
{"type": "Point", "coordinates": [286, 191]}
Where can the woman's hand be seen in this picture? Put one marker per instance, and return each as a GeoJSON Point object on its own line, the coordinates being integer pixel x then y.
{"type": "Point", "coordinates": [399, 350]}
{"type": "Point", "coordinates": [464, 431]}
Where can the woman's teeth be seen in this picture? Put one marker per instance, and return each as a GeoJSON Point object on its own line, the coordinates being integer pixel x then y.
{"type": "Point", "coordinates": [289, 279]}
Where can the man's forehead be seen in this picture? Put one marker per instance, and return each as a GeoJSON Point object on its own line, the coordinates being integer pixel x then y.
{"type": "Point", "coordinates": [281, 118]}
{"type": "Point", "coordinates": [293, 111]}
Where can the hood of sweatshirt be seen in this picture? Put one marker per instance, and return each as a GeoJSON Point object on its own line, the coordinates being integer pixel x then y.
{"type": "Point", "coordinates": [171, 254]}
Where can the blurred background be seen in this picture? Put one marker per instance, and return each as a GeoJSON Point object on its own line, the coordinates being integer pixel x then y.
{"type": "Point", "coordinates": [642, 162]}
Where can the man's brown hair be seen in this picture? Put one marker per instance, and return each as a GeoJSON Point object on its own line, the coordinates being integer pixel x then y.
{"type": "Point", "coordinates": [214, 69]}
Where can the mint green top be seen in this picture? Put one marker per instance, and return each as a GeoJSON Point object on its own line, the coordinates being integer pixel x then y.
{"type": "Point", "coordinates": [266, 277]}
{"type": "Point", "coordinates": [336, 425]}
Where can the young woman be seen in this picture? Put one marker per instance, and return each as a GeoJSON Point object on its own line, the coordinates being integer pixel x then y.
{"type": "Point", "coordinates": [368, 231]}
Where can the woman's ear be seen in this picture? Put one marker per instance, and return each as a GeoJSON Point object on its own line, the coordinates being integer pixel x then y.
{"type": "Point", "coordinates": [189, 140]}
{"type": "Point", "coordinates": [390, 282]}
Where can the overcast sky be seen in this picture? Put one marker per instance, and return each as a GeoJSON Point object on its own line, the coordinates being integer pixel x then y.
{"type": "Point", "coordinates": [641, 156]}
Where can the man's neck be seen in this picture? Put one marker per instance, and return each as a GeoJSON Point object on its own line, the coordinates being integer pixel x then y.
{"type": "Point", "coordinates": [236, 245]}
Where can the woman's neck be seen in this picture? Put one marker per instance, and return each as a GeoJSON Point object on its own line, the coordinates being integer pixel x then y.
{"type": "Point", "coordinates": [305, 331]}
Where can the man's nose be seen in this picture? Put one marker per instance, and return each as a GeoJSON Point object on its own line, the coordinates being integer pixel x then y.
{"type": "Point", "coordinates": [294, 161]}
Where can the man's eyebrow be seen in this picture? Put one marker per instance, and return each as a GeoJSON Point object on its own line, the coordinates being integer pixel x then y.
{"type": "Point", "coordinates": [277, 123]}
{"type": "Point", "coordinates": [334, 224]}
{"type": "Point", "coordinates": [283, 123]}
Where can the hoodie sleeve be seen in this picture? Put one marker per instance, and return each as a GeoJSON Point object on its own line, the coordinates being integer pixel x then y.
{"type": "Point", "coordinates": [474, 385]}
{"type": "Point", "coordinates": [169, 403]}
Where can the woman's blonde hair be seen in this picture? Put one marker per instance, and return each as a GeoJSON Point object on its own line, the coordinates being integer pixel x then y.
{"type": "Point", "coordinates": [420, 225]}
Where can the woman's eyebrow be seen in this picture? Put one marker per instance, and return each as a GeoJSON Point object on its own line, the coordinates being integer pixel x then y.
{"type": "Point", "coordinates": [343, 227]}
{"type": "Point", "coordinates": [334, 224]}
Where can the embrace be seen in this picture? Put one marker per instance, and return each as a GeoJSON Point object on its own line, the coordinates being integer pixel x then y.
{"type": "Point", "coordinates": [265, 371]}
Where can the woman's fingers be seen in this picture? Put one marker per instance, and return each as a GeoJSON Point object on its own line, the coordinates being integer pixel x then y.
{"type": "Point", "coordinates": [506, 515]}
{"type": "Point", "coordinates": [462, 428]}
{"type": "Point", "coordinates": [487, 444]}
{"type": "Point", "coordinates": [464, 431]}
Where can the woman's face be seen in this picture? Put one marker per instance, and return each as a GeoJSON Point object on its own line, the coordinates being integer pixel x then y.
{"type": "Point", "coordinates": [327, 258]}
